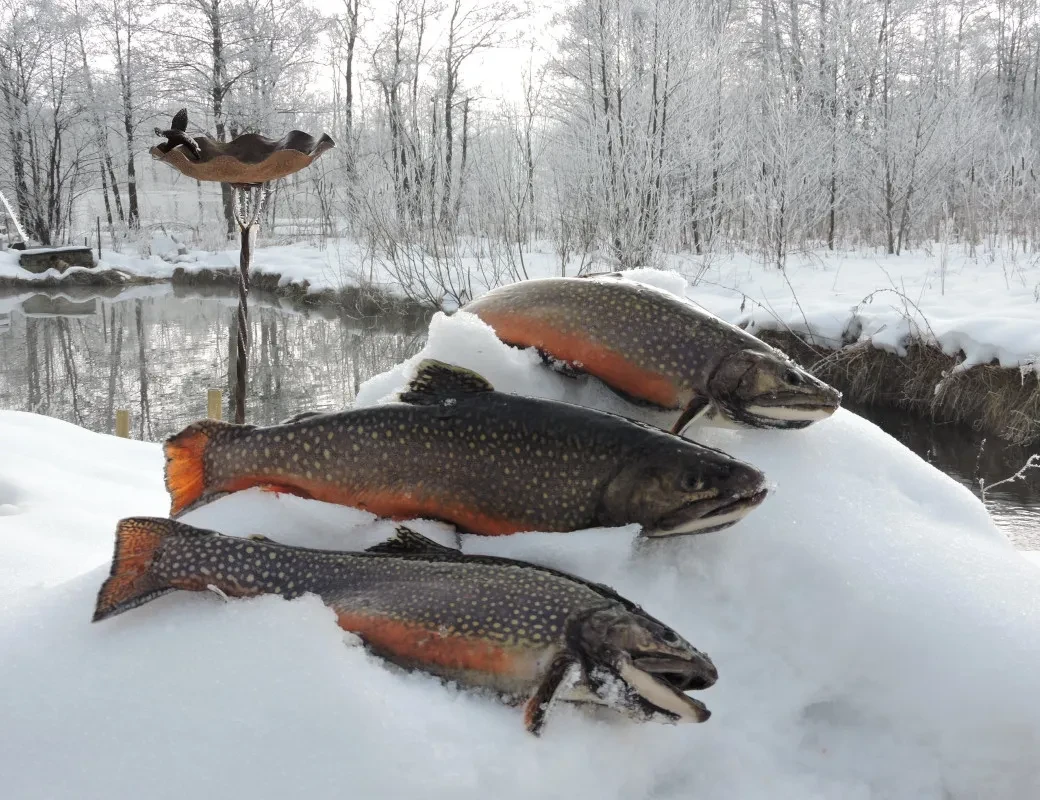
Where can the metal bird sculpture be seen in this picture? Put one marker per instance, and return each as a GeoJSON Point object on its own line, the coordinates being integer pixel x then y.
{"type": "Point", "coordinates": [176, 135]}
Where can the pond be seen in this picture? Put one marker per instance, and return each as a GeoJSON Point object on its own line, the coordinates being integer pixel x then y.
{"type": "Point", "coordinates": [155, 351]}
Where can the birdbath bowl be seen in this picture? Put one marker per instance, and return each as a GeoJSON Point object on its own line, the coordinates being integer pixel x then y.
{"type": "Point", "coordinates": [247, 160]}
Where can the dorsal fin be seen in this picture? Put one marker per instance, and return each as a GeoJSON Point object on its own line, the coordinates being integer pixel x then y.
{"type": "Point", "coordinates": [301, 416]}
{"type": "Point", "coordinates": [407, 541]}
{"type": "Point", "coordinates": [614, 274]}
{"type": "Point", "coordinates": [436, 381]}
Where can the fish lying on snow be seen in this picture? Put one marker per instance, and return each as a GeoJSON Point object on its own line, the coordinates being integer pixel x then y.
{"type": "Point", "coordinates": [487, 462]}
{"type": "Point", "coordinates": [531, 633]}
{"type": "Point", "coordinates": [654, 347]}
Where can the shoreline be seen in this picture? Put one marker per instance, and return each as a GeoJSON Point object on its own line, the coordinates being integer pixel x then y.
{"type": "Point", "coordinates": [996, 400]}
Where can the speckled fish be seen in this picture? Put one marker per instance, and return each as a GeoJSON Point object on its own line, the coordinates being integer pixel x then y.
{"type": "Point", "coordinates": [656, 348]}
{"type": "Point", "coordinates": [488, 462]}
{"type": "Point", "coordinates": [533, 634]}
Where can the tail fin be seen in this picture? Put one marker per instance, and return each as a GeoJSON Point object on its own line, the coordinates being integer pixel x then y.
{"type": "Point", "coordinates": [185, 469]}
{"type": "Point", "coordinates": [131, 582]}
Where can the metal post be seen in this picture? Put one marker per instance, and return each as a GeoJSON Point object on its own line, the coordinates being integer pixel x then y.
{"type": "Point", "coordinates": [247, 215]}
{"type": "Point", "coordinates": [123, 423]}
{"type": "Point", "coordinates": [99, 238]}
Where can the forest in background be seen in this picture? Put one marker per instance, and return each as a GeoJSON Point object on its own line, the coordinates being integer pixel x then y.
{"type": "Point", "coordinates": [637, 129]}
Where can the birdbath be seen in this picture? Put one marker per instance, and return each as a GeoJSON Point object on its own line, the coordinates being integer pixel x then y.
{"type": "Point", "coordinates": [248, 163]}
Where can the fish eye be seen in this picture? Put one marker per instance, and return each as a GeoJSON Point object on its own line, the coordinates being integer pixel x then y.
{"type": "Point", "coordinates": [670, 637]}
{"type": "Point", "coordinates": [793, 378]}
{"type": "Point", "coordinates": [691, 482]}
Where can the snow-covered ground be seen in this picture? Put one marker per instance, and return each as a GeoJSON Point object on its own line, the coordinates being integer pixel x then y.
{"type": "Point", "coordinates": [875, 635]}
{"type": "Point", "coordinates": [986, 307]}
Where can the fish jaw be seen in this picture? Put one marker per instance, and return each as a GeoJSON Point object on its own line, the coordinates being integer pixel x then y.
{"type": "Point", "coordinates": [638, 694]}
{"type": "Point", "coordinates": [662, 696]}
{"type": "Point", "coordinates": [792, 414]}
{"type": "Point", "coordinates": [708, 516]}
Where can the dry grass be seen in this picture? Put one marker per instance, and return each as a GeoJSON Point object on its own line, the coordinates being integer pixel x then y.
{"type": "Point", "coordinates": [993, 399]}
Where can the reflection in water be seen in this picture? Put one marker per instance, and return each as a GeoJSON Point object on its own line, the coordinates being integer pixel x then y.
{"type": "Point", "coordinates": [81, 357]}
{"type": "Point", "coordinates": [156, 354]}
{"type": "Point", "coordinates": [968, 457]}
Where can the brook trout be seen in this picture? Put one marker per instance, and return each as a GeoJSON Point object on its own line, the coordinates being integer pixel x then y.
{"type": "Point", "coordinates": [653, 347]}
{"type": "Point", "coordinates": [488, 462]}
{"type": "Point", "coordinates": [533, 634]}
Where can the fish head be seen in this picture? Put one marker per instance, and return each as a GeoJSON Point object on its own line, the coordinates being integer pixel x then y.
{"type": "Point", "coordinates": [765, 389]}
{"type": "Point", "coordinates": [681, 487]}
{"type": "Point", "coordinates": [642, 667]}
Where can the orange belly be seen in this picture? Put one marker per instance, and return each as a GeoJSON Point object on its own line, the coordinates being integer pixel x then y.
{"type": "Point", "coordinates": [608, 365]}
{"type": "Point", "coordinates": [409, 642]}
{"type": "Point", "coordinates": [389, 504]}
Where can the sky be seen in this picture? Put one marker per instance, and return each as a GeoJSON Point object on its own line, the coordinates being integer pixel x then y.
{"type": "Point", "coordinates": [494, 73]}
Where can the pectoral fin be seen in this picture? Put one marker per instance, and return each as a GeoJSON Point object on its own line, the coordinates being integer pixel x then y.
{"type": "Point", "coordinates": [698, 406]}
{"type": "Point", "coordinates": [563, 673]}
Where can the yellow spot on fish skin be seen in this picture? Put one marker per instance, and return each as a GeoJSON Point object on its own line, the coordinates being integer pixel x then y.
{"type": "Point", "coordinates": [330, 436]}
{"type": "Point", "coordinates": [355, 448]}
{"type": "Point", "coordinates": [249, 549]}
{"type": "Point", "coordinates": [307, 448]}
{"type": "Point", "coordinates": [267, 452]}
{"type": "Point", "coordinates": [290, 436]}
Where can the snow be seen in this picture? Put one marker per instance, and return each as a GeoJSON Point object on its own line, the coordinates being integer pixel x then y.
{"type": "Point", "coordinates": [985, 309]}
{"type": "Point", "coordinates": [876, 636]}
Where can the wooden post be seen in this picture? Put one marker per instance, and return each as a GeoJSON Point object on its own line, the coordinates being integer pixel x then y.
{"type": "Point", "coordinates": [99, 238]}
{"type": "Point", "coordinates": [123, 423]}
{"type": "Point", "coordinates": [214, 404]}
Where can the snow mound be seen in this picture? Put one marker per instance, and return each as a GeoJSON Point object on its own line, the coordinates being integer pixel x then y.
{"type": "Point", "coordinates": [875, 635]}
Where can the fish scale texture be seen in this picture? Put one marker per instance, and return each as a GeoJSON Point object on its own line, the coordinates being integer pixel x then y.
{"type": "Point", "coordinates": [651, 324]}
{"type": "Point", "coordinates": [508, 463]}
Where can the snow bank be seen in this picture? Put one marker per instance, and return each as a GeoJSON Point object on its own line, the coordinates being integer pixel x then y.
{"type": "Point", "coordinates": [875, 635]}
{"type": "Point", "coordinates": [988, 309]}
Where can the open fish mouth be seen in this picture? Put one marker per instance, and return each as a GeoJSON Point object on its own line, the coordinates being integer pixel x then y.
{"type": "Point", "coordinates": [705, 516]}
{"type": "Point", "coordinates": [659, 685]}
{"type": "Point", "coordinates": [794, 412]}
{"type": "Point", "coordinates": [795, 407]}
